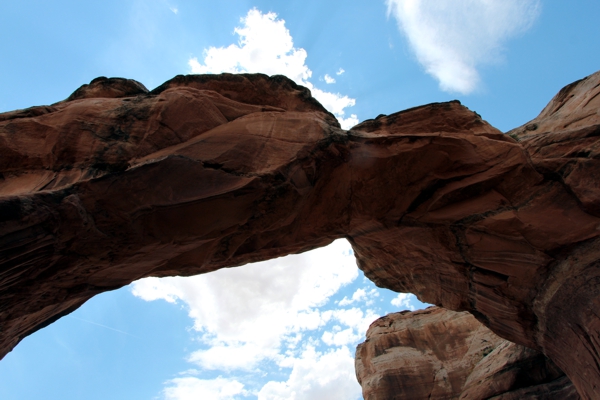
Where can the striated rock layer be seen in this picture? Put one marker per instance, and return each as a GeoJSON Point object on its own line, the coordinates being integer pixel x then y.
{"type": "Point", "coordinates": [210, 171]}
{"type": "Point", "coordinates": [441, 354]}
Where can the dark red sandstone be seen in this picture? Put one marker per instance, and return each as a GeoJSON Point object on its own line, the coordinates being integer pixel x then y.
{"type": "Point", "coordinates": [204, 172]}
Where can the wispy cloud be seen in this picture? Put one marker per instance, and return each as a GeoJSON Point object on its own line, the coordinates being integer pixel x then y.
{"type": "Point", "coordinates": [103, 326]}
{"type": "Point", "coordinates": [328, 79]}
{"type": "Point", "coordinates": [265, 45]}
{"type": "Point", "coordinates": [452, 38]}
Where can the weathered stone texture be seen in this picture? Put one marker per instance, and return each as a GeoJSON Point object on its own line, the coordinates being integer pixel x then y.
{"type": "Point", "coordinates": [441, 354]}
{"type": "Point", "coordinates": [210, 171]}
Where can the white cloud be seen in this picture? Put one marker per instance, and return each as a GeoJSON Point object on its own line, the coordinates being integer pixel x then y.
{"type": "Point", "coordinates": [229, 356]}
{"type": "Point", "coordinates": [357, 321]}
{"type": "Point", "coordinates": [317, 376]}
{"type": "Point", "coordinates": [270, 311]}
{"type": "Point", "coordinates": [247, 314]}
{"type": "Point", "coordinates": [358, 295]}
{"type": "Point", "coordinates": [451, 38]}
{"type": "Point", "coordinates": [404, 300]}
{"type": "Point", "coordinates": [334, 102]}
{"type": "Point", "coordinates": [349, 122]}
{"type": "Point", "coordinates": [340, 71]}
{"type": "Point", "coordinates": [340, 337]}
{"type": "Point", "coordinates": [328, 79]}
{"type": "Point", "coordinates": [151, 289]}
{"type": "Point", "coordinates": [266, 46]}
{"type": "Point", "coordinates": [354, 318]}
{"type": "Point", "coordinates": [191, 388]}
{"type": "Point", "coordinates": [175, 10]}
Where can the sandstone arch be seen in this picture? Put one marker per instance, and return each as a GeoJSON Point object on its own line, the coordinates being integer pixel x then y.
{"type": "Point", "coordinates": [117, 183]}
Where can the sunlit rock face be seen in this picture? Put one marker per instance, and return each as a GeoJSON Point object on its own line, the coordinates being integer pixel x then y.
{"type": "Point", "coordinates": [441, 354]}
{"type": "Point", "coordinates": [210, 171]}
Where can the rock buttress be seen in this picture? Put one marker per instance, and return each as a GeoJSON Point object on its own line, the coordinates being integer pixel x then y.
{"type": "Point", "coordinates": [441, 354]}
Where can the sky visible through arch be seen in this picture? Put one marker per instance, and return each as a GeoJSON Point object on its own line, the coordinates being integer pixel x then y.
{"type": "Point", "coordinates": [285, 328]}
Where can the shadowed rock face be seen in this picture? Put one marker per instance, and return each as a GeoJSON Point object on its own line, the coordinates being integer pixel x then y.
{"type": "Point", "coordinates": [441, 354]}
{"type": "Point", "coordinates": [211, 171]}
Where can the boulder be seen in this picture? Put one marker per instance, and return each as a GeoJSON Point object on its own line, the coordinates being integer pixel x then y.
{"type": "Point", "coordinates": [442, 354]}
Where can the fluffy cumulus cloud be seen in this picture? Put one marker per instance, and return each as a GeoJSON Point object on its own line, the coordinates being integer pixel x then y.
{"type": "Point", "coordinates": [316, 376]}
{"type": "Point", "coordinates": [191, 388]}
{"type": "Point", "coordinates": [265, 45]}
{"type": "Point", "coordinates": [452, 38]}
{"type": "Point", "coordinates": [360, 295]}
{"type": "Point", "coordinates": [280, 329]}
{"type": "Point", "coordinates": [351, 326]}
{"type": "Point", "coordinates": [246, 314]}
{"type": "Point", "coordinates": [271, 312]}
{"type": "Point", "coordinates": [404, 301]}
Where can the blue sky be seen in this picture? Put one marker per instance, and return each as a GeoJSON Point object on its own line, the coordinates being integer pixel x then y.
{"type": "Point", "coordinates": [286, 328]}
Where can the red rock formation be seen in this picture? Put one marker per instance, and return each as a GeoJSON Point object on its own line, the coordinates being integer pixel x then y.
{"type": "Point", "coordinates": [204, 172]}
{"type": "Point", "coordinates": [512, 239]}
{"type": "Point", "coordinates": [107, 187]}
{"type": "Point", "coordinates": [441, 354]}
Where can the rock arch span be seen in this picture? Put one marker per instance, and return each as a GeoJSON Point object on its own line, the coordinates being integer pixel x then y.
{"type": "Point", "coordinates": [210, 171]}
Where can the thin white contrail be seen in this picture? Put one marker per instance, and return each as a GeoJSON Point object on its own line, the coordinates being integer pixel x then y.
{"type": "Point", "coordinates": [104, 326]}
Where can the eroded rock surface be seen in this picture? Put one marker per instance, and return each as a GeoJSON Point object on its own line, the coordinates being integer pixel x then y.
{"type": "Point", "coordinates": [512, 239]}
{"type": "Point", "coordinates": [441, 354]}
{"type": "Point", "coordinates": [209, 171]}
